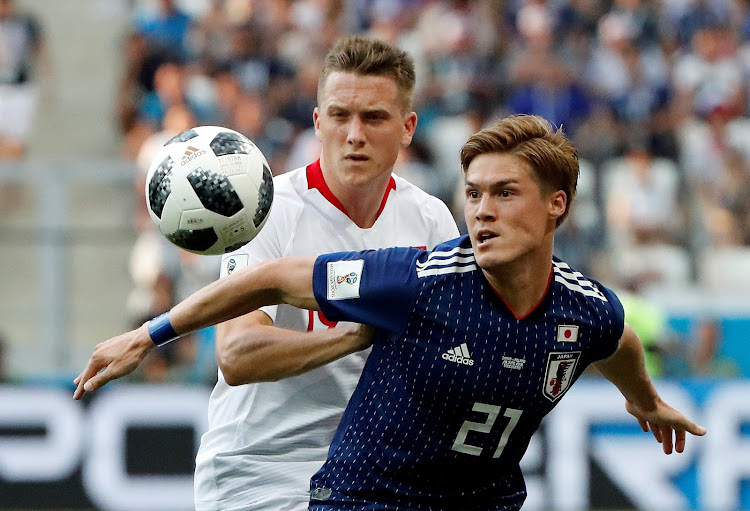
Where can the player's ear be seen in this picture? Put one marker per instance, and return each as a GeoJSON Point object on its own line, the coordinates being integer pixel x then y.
{"type": "Point", "coordinates": [558, 204]}
{"type": "Point", "coordinates": [410, 126]}
{"type": "Point", "coordinates": [316, 121]}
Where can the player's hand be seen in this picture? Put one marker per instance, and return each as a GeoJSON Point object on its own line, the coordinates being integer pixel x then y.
{"type": "Point", "coordinates": [117, 357]}
{"type": "Point", "coordinates": [667, 425]}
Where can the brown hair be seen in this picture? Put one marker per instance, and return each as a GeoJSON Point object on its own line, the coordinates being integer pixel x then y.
{"type": "Point", "coordinates": [549, 153]}
{"type": "Point", "coordinates": [366, 56]}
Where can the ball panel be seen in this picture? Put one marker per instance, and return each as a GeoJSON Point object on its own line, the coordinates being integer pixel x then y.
{"type": "Point", "coordinates": [182, 137]}
{"type": "Point", "coordinates": [228, 142]}
{"type": "Point", "coordinates": [170, 218]}
{"type": "Point", "coordinates": [215, 192]}
{"type": "Point", "coordinates": [234, 164]}
{"type": "Point", "coordinates": [197, 219]}
{"type": "Point", "coordinates": [183, 192]}
{"type": "Point", "coordinates": [160, 186]}
{"type": "Point", "coordinates": [197, 240]}
{"type": "Point", "coordinates": [265, 198]}
{"type": "Point", "coordinates": [238, 230]}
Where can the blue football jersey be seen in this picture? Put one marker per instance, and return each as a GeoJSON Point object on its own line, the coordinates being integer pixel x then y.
{"type": "Point", "coordinates": [455, 385]}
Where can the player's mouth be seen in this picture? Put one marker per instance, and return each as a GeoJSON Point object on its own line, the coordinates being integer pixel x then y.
{"type": "Point", "coordinates": [485, 236]}
{"type": "Point", "coordinates": [356, 157]}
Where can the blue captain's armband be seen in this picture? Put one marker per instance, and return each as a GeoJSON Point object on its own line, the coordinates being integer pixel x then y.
{"type": "Point", "coordinates": [161, 331]}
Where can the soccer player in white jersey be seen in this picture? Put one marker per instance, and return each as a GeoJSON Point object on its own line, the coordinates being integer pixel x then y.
{"type": "Point", "coordinates": [266, 440]}
{"type": "Point", "coordinates": [475, 341]}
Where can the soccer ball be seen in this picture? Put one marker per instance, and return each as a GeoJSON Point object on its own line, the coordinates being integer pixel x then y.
{"type": "Point", "coordinates": [209, 190]}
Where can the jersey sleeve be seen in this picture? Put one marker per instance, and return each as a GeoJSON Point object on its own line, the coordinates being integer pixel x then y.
{"type": "Point", "coordinates": [613, 324]}
{"type": "Point", "coordinates": [374, 287]}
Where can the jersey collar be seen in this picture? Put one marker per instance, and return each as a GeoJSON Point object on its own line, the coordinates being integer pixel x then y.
{"type": "Point", "coordinates": [533, 309]}
{"type": "Point", "coordinates": [316, 181]}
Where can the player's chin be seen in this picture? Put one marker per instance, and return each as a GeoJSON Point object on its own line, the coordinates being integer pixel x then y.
{"type": "Point", "coordinates": [489, 261]}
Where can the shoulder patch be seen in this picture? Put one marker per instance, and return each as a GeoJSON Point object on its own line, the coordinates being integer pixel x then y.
{"type": "Point", "coordinates": [344, 278]}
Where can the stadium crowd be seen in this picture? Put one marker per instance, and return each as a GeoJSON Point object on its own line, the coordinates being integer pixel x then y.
{"type": "Point", "coordinates": [654, 93]}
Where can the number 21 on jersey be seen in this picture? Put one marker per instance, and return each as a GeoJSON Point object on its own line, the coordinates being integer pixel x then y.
{"type": "Point", "coordinates": [492, 412]}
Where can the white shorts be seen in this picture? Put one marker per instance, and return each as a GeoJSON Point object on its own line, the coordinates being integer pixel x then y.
{"type": "Point", "coordinates": [17, 108]}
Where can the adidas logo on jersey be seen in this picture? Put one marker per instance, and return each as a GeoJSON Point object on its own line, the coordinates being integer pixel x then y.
{"type": "Point", "coordinates": [459, 354]}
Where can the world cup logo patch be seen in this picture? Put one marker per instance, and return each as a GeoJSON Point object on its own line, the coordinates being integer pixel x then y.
{"type": "Point", "coordinates": [344, 279]}
{"type": "Point", "coordinates": [234, 262]}
{"type": "Point", "coordinates": [559, 374]}
{"type": "Point", "coordinates": [349, 279]}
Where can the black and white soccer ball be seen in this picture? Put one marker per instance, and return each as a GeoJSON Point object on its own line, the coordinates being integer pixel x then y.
{"type": "Point", "coordinates": [209, 190]}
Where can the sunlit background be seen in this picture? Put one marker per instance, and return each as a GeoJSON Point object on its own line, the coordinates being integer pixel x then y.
{"type": "Point", "coordinates": [653, 92]}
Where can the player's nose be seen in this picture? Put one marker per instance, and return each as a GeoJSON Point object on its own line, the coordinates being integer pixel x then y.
{"type": "Point", "coordinates": [355, 134]}
{"type": "Point", "coordinates": [485, 208]}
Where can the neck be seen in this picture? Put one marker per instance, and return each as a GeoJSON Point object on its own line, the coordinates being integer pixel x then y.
{"type": "Point", "coordinates": [522, 284]}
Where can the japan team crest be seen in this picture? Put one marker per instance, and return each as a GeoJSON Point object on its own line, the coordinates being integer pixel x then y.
{"type": "Point", "coordinates": [559, 374]}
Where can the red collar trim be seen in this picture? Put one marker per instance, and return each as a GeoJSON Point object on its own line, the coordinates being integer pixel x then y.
{"type": "Point", "coordinates": [315, 180]}
{"type": "Point", "coordinates": [535, 307]}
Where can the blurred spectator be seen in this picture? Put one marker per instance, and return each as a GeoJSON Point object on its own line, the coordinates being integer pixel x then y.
{"type": "Point", "coordinates": [628, 75]}
{"type": "Point", "coordinates": [249, 118]}
{"type": "Point", "coordinates": [699, 15]}
{"type": "Point", "coordinates": [210, 36]}
{"type": "Point", "coordinates": [168, 90]}
{"type": "Point", "coordinates": [706, 144]}
{"type": "Point", "coordinates": [709, 73]}
{"type": "Point", "coordinates": [726, 210]}
{"type": "Point", "coordinates": [133, 86]}
{"type": "Point", "coordinates": [543, 82]}
{"type": "Point", "coordinates": [641, 194]}
{"type": "Point", "coordinates": [165, 29]}
{"type": "Point", "coordinates": [707, 359]}
{"type": "Point", "coordinates": [599, 138]}
{"type": "Point", "coordinates": [227, 92]}
{"type": "Point", "coordinates": [459, 40]}
{"type": "Point", "coordinates": [22, 58]}
{"type": "Point", "coordinates": [642, 18]}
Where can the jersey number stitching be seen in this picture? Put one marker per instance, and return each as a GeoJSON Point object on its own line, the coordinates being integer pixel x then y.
{"type": "Point", "coordinates": [492, 412]}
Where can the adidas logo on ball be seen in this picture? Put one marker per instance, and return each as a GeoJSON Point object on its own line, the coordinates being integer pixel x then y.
{"type": "Point", "coordinates": [459, 354]}
{"type": "Point", "coordinates": [190, 154]}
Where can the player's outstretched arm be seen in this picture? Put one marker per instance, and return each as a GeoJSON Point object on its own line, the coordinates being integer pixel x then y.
{"type": "Point", "coordinates": [250, 349]}
{"type": "Point", "coordinates": [627, 370]}
{"type": "Point", "coordinates": [286, 280]}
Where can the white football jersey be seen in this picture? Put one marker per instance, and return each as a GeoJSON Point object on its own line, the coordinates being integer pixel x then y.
{"type": "Point", "coordinates": [266, 440]}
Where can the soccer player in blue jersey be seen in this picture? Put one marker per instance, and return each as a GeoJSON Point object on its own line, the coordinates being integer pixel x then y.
{"type": "Point", "coordinates": [474, 341]}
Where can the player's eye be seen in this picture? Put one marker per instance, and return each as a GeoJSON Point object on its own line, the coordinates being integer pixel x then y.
{"type": "Point", "coordinates": [472, 194]}
{"type": "Point", "coordinates": [374, 117]}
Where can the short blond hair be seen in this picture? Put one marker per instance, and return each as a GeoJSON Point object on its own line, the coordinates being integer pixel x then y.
{"type": "Point", "coordinates": [549, 153]}
{"type": "Point", "coordinates": [366, 56]}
